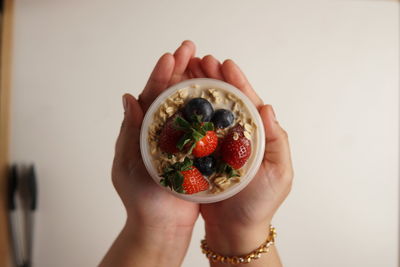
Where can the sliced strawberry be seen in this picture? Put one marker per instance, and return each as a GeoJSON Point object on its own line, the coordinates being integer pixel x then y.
{"type": "Point", "coordinates": [236, 148]}
{"type": "Point", "coordinates": [183, 177]}
{"type": "Point", "coordinates": [193, 181]}
{"type": "Point", "coordinates": [206, 145]}
{"type": "Point", "coordinates": [169, 136]}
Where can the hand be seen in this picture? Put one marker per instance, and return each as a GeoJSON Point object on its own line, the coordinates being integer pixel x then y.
{"type": "Point", "coordinates": [158, 223]}
{"type": "Point", "coordinates": [144, 200]}
{"type": "Point", "coordinates": [240, 224]}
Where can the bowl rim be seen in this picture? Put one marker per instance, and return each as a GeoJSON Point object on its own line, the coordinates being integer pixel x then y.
{"type": "Point", "coordinates": [251, 170]}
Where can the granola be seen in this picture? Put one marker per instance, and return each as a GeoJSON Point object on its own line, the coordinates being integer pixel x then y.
{"type": "Point", "coordinates": [218, 182]}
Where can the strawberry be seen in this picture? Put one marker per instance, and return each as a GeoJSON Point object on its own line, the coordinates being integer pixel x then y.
{"type": "Point", "coordinates": [193, 181]}
{"type": "Point", "coordinates": [206, 145]}
{"type": "Point", "coordinates": [183, 177]}
{"type": "Point", "coordinates": [200, 137]}
{"type": "Point", "coordinates": [170, 136]}
{"type": "Point", "coordinates": [236, 148]}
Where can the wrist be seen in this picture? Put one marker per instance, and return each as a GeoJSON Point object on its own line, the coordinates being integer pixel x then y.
{"type": "Point", "coordinates": [157, 246]}
{"type": "Point", "coordinates": [234, 240]}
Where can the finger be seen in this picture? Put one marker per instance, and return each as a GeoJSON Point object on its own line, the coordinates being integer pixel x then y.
{"type": "Point", "coordinates": [127, 149]}
{"type": "Point", "coordinates": [195, 68]}
{"type": "Point", "coordinates": [233, 75]}
{"type": "Point", "coordinates": [182, 57]}
{"type": "Point", "coordinates": [158, 80]}
{"type": "Point", "coordinates": [277, 150]}
{"type": "Point", "coordinates": [212, 67]}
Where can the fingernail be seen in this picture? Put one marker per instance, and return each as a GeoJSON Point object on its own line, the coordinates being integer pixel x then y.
{"type": "Point", "coordinates": [273, 113]}
{"type": "Point", "coordinates": [185, 42]}
{"type": "Point", "coordinates": [125, 103]}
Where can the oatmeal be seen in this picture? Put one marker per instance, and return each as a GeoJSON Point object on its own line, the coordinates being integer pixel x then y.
{"type": "Point", "coordinates": [201, 140]}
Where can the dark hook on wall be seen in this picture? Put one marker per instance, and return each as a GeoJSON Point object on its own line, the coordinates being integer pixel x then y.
{"type": "Point", "coordinates": [22, 203]}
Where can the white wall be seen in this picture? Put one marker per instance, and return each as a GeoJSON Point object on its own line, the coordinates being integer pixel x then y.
{"type": "Point", "coordinates": [330, 68]}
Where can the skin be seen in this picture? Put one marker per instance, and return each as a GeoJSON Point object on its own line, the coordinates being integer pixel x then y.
{"type": "Point", "coordinates": [159, 226]}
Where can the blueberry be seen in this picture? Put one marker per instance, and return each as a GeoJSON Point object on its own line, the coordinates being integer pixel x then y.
{"type": "Point", "coordinates": [222, 118]}
{"type": "Point", "coordinates": [198, 106]}
{"type": "Point", "coordinates": [206, 165]}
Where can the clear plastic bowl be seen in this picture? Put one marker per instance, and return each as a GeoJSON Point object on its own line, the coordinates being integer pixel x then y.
{"type": "Point", "coordinates": [251, 169]}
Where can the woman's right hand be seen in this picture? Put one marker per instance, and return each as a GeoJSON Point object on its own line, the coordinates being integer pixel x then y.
{"type": "Point", "coordinates": [159, 225]}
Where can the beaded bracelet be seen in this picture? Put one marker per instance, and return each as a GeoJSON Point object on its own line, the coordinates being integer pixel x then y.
{"type": "Point", "coordinates": [253, 255]}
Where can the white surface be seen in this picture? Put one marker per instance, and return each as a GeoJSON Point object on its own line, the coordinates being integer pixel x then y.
{"type": "Point", "coordinates": [330, 68]}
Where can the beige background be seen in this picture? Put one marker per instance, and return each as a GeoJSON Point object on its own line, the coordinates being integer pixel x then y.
{"type": "Point", "coordinates": [330, 68]}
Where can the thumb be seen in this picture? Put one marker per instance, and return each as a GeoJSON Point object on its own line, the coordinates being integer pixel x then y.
{"type": "Point", "coordinates": [127, 149]}
{"type": "Point", "coordinates": [277, 150]}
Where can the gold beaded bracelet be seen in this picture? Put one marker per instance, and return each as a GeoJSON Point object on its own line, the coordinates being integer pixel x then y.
{"type": "Point", "coordinates": [255, 254]}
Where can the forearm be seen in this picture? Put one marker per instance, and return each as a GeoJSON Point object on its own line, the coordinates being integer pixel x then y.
{"type": "Point", "coordinates": [140, 246]}
{"type": "Point", "coordinates": [235, 241]}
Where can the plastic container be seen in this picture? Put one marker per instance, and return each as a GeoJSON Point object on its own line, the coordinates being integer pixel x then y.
{"type": "Point", "coordinates": [252, 167]}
